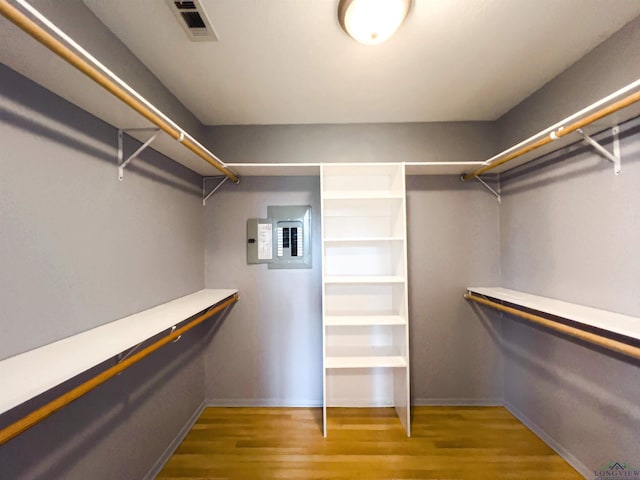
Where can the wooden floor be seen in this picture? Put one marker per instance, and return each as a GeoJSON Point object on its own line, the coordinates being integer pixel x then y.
{"type": "Point", "coordinates": [446, 443]}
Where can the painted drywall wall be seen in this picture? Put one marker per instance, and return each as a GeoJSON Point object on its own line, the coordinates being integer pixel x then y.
{"type": "Point", "coordinates": [452, 244]}
{"type": "Point", "coordinates": [569, 230]}
{"type": "Point", "coordinates": [78, 245]}
{"type": "Point", "coordinates": [380, 142]}
{"type": "Point", "coordinates": [269, 349]}
{"type": "Point", "coordinates": [78, 249]}
{"type": "Point", "coordinates": [607, 68]}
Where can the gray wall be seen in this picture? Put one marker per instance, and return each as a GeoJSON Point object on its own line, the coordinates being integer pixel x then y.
{"type": "Point", "coordinates": [274, 333]}
{"type": "Point", "coordinates": [269, 350]}
{"type": "Point", "coordinates": [453, 243]}
{"type": "Point", "coordinates": [569, 230]}
{"type": "Point", "coordinates": [78, 248]}
{"type": "Point", "coordinates": [77, 243]}
{"type": "Point", "coordinates": [390, 142]}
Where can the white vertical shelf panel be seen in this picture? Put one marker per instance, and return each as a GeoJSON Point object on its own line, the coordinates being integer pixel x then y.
{"type": "Point", "coordinates": [29, 374]}
{"type": "Point", "coordinates": [401, 378]}
{"type": "Point", "coordinates": [365, 324]}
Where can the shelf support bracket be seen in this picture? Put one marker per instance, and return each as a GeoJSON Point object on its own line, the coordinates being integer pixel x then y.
{"type": "Point", "coordinates": [205, 195]}
{"type": "Point", "coordinates": [124, 355]}
{"type": "Point", "coordinates": [122, 163]}
{"type": "Point", "coordinates": [488, 187]}
{"type": "Point", "coordinates": [612, 157]}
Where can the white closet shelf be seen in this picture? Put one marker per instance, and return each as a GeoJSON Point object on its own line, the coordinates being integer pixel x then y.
{"type": "Point", "coordinates": [359, 240]}
{"type": "Point", "coordinates": [365, 362]}
{"type": "Point", "coordinates": [383, 279]}
{"type": "Point", "coordinates": [29, 374]}
{"type": "Point", "coordinates": [588, 316]}
{"type": "Point", "coordinates": [363, 320]}
{"type": "Point", "coordinates": [361, 195]}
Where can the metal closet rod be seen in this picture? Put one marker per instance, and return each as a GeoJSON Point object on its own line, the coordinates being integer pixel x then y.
{"type": "Point", "coordinates": [56, 404]}
{"type": "Point", "coordinates": [110, 82]}
{"type": "Point", "coordinates": [608, 343]}
{"type": "Point", "coordinates": [561, 129]}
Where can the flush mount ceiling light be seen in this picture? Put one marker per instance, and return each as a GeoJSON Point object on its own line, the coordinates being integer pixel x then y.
{"type": "Point", "coordinates": [372, 21]}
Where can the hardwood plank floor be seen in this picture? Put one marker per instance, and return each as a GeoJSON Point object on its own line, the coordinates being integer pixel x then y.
{"type": "Point", "coordinates": [447, 443]}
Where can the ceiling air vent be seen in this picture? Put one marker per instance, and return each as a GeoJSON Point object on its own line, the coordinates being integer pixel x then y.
{"type": "Point", "coordinates": [193, 20]}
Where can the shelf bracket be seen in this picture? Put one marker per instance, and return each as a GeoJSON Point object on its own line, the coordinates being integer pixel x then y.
{"type": "Point", "coordinates": [488, 187]}
{"type": "Point", "coordinates": [612, 157]}
{"type": "Point", "coordinates": [122, 163]}
{"type": "Point", "coordinates": [205, 195]}
{"type": "Point", "coordinates": [124, 355]}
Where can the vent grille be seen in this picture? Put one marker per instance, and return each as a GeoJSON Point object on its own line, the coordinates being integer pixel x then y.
{"type": "Point", "coordinates": [185, 5]}
{"type": "Point", "coordinates": [193, 20]}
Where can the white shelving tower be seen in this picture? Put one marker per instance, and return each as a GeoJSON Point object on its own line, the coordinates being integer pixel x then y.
{"type": "Point", "coordinates": [364, 288]}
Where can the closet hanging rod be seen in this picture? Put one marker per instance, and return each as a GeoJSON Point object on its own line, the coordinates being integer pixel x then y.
{"type": "Point", "coordinates": [562, 128]}
{"type": "Point", "coordinates": [35, 417]}
{"type": "Point", "coordinates": [593, 338]}
{"type": "Point", "coordinates": [109, 81]}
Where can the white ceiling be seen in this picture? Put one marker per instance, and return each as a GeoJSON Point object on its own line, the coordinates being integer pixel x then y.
{"type": "Point", "coordinates": [288, 61]}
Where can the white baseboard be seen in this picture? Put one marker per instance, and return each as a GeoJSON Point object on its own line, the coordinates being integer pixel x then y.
{"type": "Point", "coordinates": [261, 402]}
{"type": "Point", "coordinates": [168, 452]}
{"type": "Point", "coordinates": [457, 402]}
{"type": "Point", "coordinates": [546, 438]}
